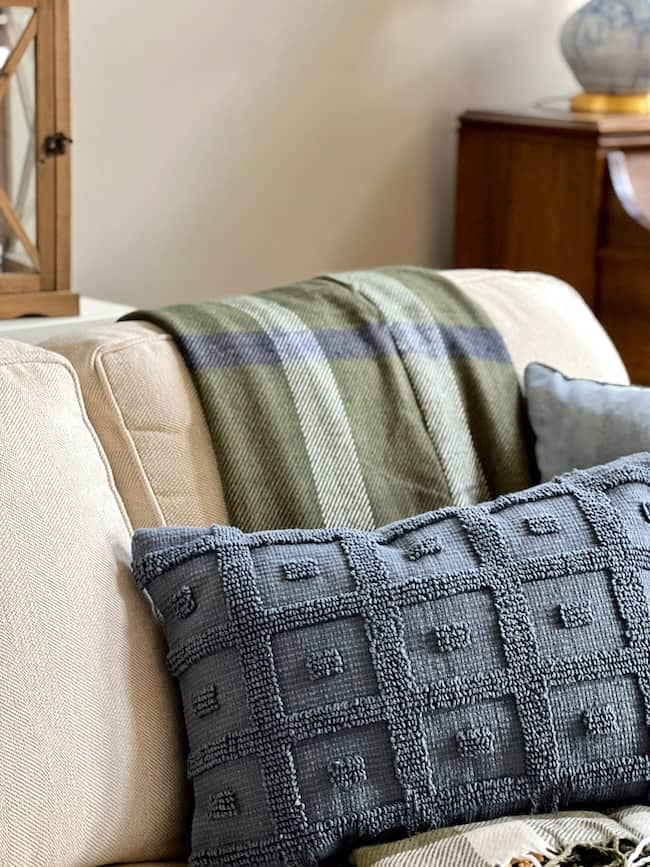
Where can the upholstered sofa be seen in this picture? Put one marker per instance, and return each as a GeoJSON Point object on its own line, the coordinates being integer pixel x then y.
{"type": "Point", "coordinates": [103, 432]}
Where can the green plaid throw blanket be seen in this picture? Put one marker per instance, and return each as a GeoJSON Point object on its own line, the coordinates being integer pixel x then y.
{"type": "Point", "coordinates": [353, 399]}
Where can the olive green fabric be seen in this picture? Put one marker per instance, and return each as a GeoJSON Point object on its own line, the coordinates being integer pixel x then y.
{"type": "Point", "coordinates": [353, 399]}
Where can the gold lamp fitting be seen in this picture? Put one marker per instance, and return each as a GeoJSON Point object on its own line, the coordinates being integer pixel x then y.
{"type": "Point", "coordinates": [611, 103]}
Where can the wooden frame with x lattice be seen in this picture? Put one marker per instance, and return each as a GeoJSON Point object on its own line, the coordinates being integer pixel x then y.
{"type": "Point", "coordinates": [40, 282]}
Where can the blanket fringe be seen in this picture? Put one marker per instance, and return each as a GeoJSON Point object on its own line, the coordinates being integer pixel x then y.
{"type": "Point", "coordinates": [618, 852]}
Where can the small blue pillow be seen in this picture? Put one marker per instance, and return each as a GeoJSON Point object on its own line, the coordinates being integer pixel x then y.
{"type": "Point", "coordinates": [580, 423]}
{"type": "Point", "coordinates": [339, 685]}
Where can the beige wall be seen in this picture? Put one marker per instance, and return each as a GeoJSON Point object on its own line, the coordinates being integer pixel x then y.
{"type": "Point", "coordinates": [227, 145]}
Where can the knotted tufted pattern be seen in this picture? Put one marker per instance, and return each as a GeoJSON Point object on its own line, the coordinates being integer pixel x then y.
{"type": "Point", "coordinates": [456, 666]}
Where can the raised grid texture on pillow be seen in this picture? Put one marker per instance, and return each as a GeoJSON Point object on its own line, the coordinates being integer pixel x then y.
{"type": "Point", "coordinates": [503, 669]}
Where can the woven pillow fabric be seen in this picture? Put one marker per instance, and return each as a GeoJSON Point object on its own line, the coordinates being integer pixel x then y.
{"type": "Point", "coordinates": [579, 423]}
{"type": "Point", "coordinates": [340, 686]}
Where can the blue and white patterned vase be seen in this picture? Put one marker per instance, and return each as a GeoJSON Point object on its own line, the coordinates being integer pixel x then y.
{"type": "Point", "coordinates": [607, 45]}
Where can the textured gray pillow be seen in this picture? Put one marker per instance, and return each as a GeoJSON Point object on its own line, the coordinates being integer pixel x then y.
{"type": "Point", "coordinates": [580, 423]}
{"type": "Point", "coordinates": [339, 685]}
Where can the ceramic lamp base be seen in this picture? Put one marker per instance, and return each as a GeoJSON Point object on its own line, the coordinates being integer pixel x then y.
{"type": "Point", "coordinates": [611, 103]}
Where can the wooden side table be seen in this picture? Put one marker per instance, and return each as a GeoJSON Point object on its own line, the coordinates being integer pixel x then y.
{"type": "Point", "coordinates": [569, 195]}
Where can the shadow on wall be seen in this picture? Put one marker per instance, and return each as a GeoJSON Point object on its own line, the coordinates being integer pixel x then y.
{"type": "Point", "coordinates": [244, 144]}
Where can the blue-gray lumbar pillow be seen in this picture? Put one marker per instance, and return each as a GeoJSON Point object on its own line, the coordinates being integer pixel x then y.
{"type": "Point", "coordinates": [580, 423]}
{"type": "Point", "coordinates": [341, 685]}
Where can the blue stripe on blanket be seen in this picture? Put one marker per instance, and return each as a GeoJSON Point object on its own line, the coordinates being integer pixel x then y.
{"type": "Point", "coordinates": [433, 340]}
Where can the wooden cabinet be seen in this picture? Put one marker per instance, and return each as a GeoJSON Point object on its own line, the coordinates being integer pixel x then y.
{"type": "Point", "coordinates": [35, 160]}
{"type": "Point", "coordinates": [568, 195]}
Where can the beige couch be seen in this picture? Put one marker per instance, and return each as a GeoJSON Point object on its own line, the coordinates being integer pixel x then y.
{"type": "Point", "coordinates": [101, 433]}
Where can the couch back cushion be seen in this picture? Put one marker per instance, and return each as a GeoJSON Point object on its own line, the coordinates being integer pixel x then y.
{"type": "Point", "coordinates": [145, 409]}
{"type": "Point", "coordinates": [541, 317]}
{"type": "Point", "coordinates": [90, 746]}
{"type": "Point", "coordinates": [142, 403]}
